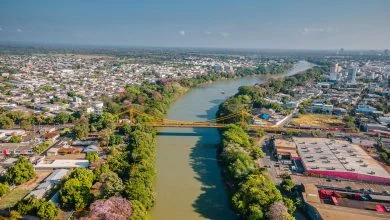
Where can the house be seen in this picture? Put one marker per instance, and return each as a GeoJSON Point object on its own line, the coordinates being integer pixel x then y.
{"type": "Point", "coordinates": [68, 150]}
{"type": "Point", "coordinates": [38, 193]}
{"type": "Point", "coordinates": [91, 148]}
{"type": "Point", "coordinates": [52, 151]}
{"type": "Point", "coordinates": [339, 111]}
{"type": "Point", "coordinates": [12, 132]}
{"type": "Point", "coordinates": [51, 136]}
{"type": "Point", "coordinates": [56, 176]}
{"type": "Point", "coordinates": [41, 190]}
{"type": "Point", "coordinates": [371, 127]}
{"type": "Point", "coordinates": [83, 143]}
{"type": "Point", "coordinates": [291, 104]}
{"type": "Point", "coordinates": [62, 164]}
{"type": "Point", "coordinates": [16, 148]}
{"type": "Point", "coordinates": [284, 150]}
{"type": "Point", "coordinates": [321, 108]}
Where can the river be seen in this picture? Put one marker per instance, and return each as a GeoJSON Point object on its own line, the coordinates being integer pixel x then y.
{"type": "Point", "coordinates": [189, 182]}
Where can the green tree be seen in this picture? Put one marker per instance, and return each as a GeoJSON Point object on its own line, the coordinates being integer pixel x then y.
{"type": "Point", "coordinates": [125, 129]}
{"type": "Point", "coordinates": [138, 189]}
{"type": "Point", "coordinates": [241, 168]}
{"type": "Point", "coordinates": [257, 192]}
{"type": "Point", "coordinates": [4, 189]}
{"type": "Point", "coordinates": [62, 118]}
{"type": "Point", "coordinates": [115, 139]}
{"type": "Point", "coordinates": [47, 210]}
{"type": "Point", "coordinates": [290, 205]}
{"type": "Point", "coordinates": [112, 185]}
{"type": "Point", "coordinates": [83, 175]}
{"type": "Point", "coordinates": [98, 171]}
{"type": "Point", "coordinates": [20, 172]}
{"type": "Point", "coordinates": [139, 212]}
{"type": "Point", "coordinates": [260, 133]}
{"type": "Point", "coordinates": [27, 205]}
{"type": "Point", "coordinates": [75, 194]}
{"type": "Point", "coordinates": [15, 139]}
{"type": "Point", "coordinates": [287, 186]}
{"type": "Point", "coordinates": [81, 131]}
{"type": "Point", "coordinates": [6, 122]}
{"type": "Point", "coordinates": [92, 157]}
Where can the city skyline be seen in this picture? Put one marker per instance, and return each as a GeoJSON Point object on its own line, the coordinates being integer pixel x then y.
{"type": "Point", "coordinates": [201, 24]}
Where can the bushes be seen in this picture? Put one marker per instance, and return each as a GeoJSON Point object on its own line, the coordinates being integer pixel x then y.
{"type": "Point", "coordinates": [15, 139]}
{"type": "Point", "coordinates": [42, 147]}
{"type": "Point", "coordinates": [41, 208]}
{"type": "Point", "coordinates": [4, 189]}
{"type": "Point", "coordinates": [92, 157]}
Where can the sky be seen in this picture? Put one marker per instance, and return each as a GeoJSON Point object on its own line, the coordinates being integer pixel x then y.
{"type": "Point", "coordinates": [256, 24]}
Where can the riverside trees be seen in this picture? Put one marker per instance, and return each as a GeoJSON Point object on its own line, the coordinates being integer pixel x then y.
{"type": "Point", "coordinates": [255, 193]}
{"type": "Point", "coordinates": [254, 96]}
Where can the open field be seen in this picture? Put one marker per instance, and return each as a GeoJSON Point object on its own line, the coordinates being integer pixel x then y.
{"type": "Point", "coordinates": [11, 198]}
{"type": "Point", "coordinates": [318, 120]}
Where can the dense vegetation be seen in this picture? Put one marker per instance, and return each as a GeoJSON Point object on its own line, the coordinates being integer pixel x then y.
{"type": "Point", "coordinates": [41, 208]}
{"type": "Point", "coordinates": [254, 193]}
{"type": "Point", "coordinates": [249, 97]}
{"type": "Point", "coordinates": [129, 172]}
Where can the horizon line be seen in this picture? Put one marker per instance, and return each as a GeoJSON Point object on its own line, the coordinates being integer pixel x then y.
{"type": "Point", "coordinates": [102, 46]}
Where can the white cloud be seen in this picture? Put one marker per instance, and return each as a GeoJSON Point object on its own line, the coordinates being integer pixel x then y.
{"type": "Point", "coordinates": [182, 33]}
{"type": "Point", "coordinates": [225, 34]}
{"type": "Point", "coordinates": [307, 30]}
{"type": "Point", "coordinates": [19, 30]}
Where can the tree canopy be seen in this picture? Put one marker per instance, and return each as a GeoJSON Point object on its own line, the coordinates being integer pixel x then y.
{"type": "Point", "coordinates": [20, 172]}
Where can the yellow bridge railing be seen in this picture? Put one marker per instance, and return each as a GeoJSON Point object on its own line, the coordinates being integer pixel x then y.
{"type": "Point", "coordinates": [214, 123]}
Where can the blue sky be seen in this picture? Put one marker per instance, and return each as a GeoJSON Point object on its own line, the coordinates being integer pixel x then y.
{"type": "Point", "coordinates": [277, 24]}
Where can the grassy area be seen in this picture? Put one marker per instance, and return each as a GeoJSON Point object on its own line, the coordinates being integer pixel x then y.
{"type": "Point", "coordinates": [318, 120]}
{"type": "Point", "coordinates": [11, 198]}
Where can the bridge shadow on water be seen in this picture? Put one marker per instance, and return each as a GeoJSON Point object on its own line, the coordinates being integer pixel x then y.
{"type": "Point", "coordinates": [213, 202]}
{"type": "Point", "coordinates": [207, 116]}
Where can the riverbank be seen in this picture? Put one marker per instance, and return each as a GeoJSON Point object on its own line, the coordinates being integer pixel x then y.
{"type": "Point", "coordinates": [132, 149]}
{"type": "Point", "coordinates": [189, 181]}
{"type": "Point", "coordinates": [253, 193]}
